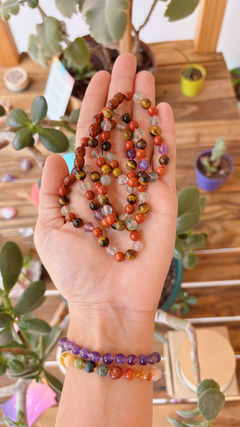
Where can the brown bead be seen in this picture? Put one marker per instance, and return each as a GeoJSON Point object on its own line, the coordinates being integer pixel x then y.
{"type": "Point", "coordinates": [102, 190]}
{"type": "Point", "coordinates": [105, 135]}
{"type": "Point", "coordinates": [79, 162]}
{"type": "Point", "coordinates": [73, 172]}
{"type": "Point", "coordinates": [158, 140]}
{"type": "Point", "coordinates": [160, 170]}
{"type": "Point", "coordinates": [70, 217]}
{"type": "Point", "coordinates": [80, 175]}
{"type": "Point", "coordinates": [119, 257]}
{"type": "Point", "coordinates": [106, 170]}
{"type": "Point", "coordinates": [131, 254]}
{"type": "Point", "coordinates": [141, 154]}
{"type": "Point", "coordinates": [69, 179]}
{"type": "Point", "coordinates": [141, 188]}
{"type": "Point", "coordinates": [139, 217]}
{"type": "Point", "coordinates": [105, 223]}
{"type": "Point", "coordinates": [89, 195]}
{"type": "Point", "coordinates": [98, 185]}
{"type": "Point", "coordinates": [119, 96]}
{"type": "Point", "coordinates": [80, 151]}
{"type": "Point", "coordinates": [115, 214]}
{"type": "Point", "coordinates": [95, 176]}
{"type": "Point", "coordinates": [154, 130]}
{"type": "Point", "coordinates": [108, 113]}
{"type": "Point", "coordinates": [131, 165]}
{"type": "Point", "coordinates": [97, 232]}
{"type": "Point", "coordinates": [103, 241]}
{"type": "Point", "coordinates": [128, 95]}
{"type": "Point", "coordinates": [120, 225]}
{"type": "Point", "coordinates": [116, 172]}
{"type": "Point", "coordinates": [129, 144]}
{"type": "Point", "coordinates": [113, 103]}
{"type": "Point", "coordinates": [141, 144]}
{"type": "Point", "coordinates": [116, 373]}
{"type": "Point", "coordinates": [84, 141]}
{"type": "Point", "coordinates": [131, 198]}
{"type": "Point", "coordinates": [114, 164]}
{"type": "Point", "coordinates": [103, 200]}
{"type": "Point", "coordinates": [164, 160]}
{"type": "Point", "coordinates": [134, 235]}
{"type": "Point", "coordinates": [146, 103]}
{"type": "Point", "coordinates": [94, 129]}
{"type": "Point", "coordinates": [97, 119]}
{"type": "Point", "coordinates": [93, 142]}
{"type": "Point", "coordinates": [63, 201]}
{"type": "Point", "coordinates": [63, 191]}
{"type": "Point", "coordinates": [131, 175]}
{"type": "Point", "coordinates": [152, 111]}
{"type": "Point", "coordinates": [78, 222]}
{"type": "Point", "coordinates": [94, 205]}
{"type": "Point", "coordinates": [144, 208]}
{"type": "Point", "coordinates": [113, 124]}
{"type": "Point", "coordinates": [127, 134]}
{"type": "Point", "coordinates": [133, 125]}
{"type": "Point", "coordinates": [129, 209]}
{"type": "Point", "coordinates": [133, 182]}
{"type": "Point", "coordinates": [111, 219]}
{"type": "Point", "coordinates": [144, 179]}
{"type": "Point", "coordinates": [100, 162]}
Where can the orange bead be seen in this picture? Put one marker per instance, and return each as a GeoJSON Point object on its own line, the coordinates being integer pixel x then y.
{"type": "Point", "coordinates": [158, 140]}
{"type": "Point", "coordinates": [128, 95]}
{"type": "Point", "coordinates": [133, 125]}
{"type": "Point", "coordinates": [105, 223]}
{"type": "Point", "coordinates": [111, 219]}
{"type": "Point", "coordinates": [131, 175]}
{"type": "Point", "coordinates": [119, 257]}
{"type": "Point", "coordinates": [138, 374]}
{"type": "Point", "coordinates": [140, 218]}
{"type": "Point", "coordinates": [134, 235]}
{"type": "Point", "coordinates": [129, 374]}
{"type": "Point", "coordinates": [141, 154]}
{"type": "Point", "coordinates": [84, 141]}
{"type": "Point", "coordinates": [105, 135]}
{"type": "Point", "coordinates": [102, 190]}
{"type": "Point", "coordinates": [129, 144]}
{"type": "Point", "coordinates": [115, 214]}
{"type": "Point", "coordinates": [69, 179]}
{"type": "Point", "coordinates": [100, 162]}
{"type": "Point", "coordinates": [160, 170]}
{"type": "Point", "coordinates": [98, 185]}
{"type": "Point", "coordinates": [116, 373]}
{"type": "Point", "coordinates": [94, 130]}
{"type": "Point", "coordinates": [63, 191]}
{"type": "Point", "coordinates": [129, 209]}
{"type": "Point", "coordinates": [114, 164]}
{"type": "Point", "coordinates": [97, 232]}
{"type": "Point", "coordinates": [152, 110]}
{"type": "Point", "coordinates": [89, 195]}
{"type": "Point", "coordinates": [141, 188]}
{"type": "Point", "coordinates": [70, 217]}
{"type": "Point", "coordinates": [133, 182]}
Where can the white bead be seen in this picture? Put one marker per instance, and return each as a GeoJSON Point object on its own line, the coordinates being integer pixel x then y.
{"type": "Point", "coordinates": [8, 212]}
{"type": "Point", "coordinates": [130, 189]}
{"type": "Point", "coordinates": [118, 114]}
{"type": "Point", "coordinates": [109, 156]}
{"type": "Point", "coordinates": [138, 134]}
{"type": "Point", "coordinates": [111, 250]}
{"type": "Point", "coordinates": [96, 153]}
{"type": "Point", "coordinates": [156, 374]}
{"type": "Point", "coordinates": [65, 210]}
{"type": "Point", "coordinates": [106, 125]}
{"type": "Point", "coordinates": [85, 185]}
{"type": "Point", "coordinates": [137, 97]}
{"type": "Point", "coordinates": [124, 217]}
{"type": "Point", "coordinates": [132, 224]}
{"type": "Point", "coordinates": [143, 197]}
{"type": "Point", "coordinates": [106, 210]}
{"type": "Point", "coordinates": [154, 120]}
{"type": "Point", "coordinates": [153, 176]}
{"type": "Point", "coordinates": [121, 126]}
{"type": "Point", "coordinates": [105, 180]}
{"type": "Point", "coordinates": [122, 179]}
{"type": "Point", "coordinates": [87, 169]}
{"type": "Point", "coordinates": [25, 232]}
{"type": "Point", "coordinates": [137, 246]}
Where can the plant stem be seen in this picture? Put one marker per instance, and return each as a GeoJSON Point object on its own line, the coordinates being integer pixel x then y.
{"type": "Point", "coordinates": [62, 124]}
{"type": "Point", "coordinates": [66, 40]}
{"type": "Point", "coordinates": [37, 155]}
{"type": "Point", "coordinates": [43, 14]}
{"type": "Point", "coordinates": [107, 58]}
{"type": "Point", "coordinates": [148, 16]}
{"type": "Point", "coordinates": [27, 277]}
{"type": "Point", "coordinates": [21, 398]}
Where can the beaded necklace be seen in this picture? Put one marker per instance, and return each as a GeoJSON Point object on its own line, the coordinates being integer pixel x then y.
{"type": "Point", "coordinates": [135, 146]}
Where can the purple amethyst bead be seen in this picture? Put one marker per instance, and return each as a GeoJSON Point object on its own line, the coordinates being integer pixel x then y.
{"type": "Point", "coordinates": [143, 165]}
{"type": "Point", "coordinates": [85, 353]}
{"type": "Point", "coordinates": [68, 345]}
{"type": "Point", "coordinates": [120, 359]}
{"type": "Point", "coordinates": [62, 341]}
{"type": "Point", "coordinates": [131, 154]}
{"type": "Point", "coordinates": [98, 215]}
{"type": "Point", "coordinates": [152, 359]}
{"type": "Point", "coordinates": [8, 178]}
{"type": "Point", "coordinates": [108, 358]}
{"type": "Point", "coordinates": [76, 349]}
{"type": "Point", "coordinates": [163, 149]}
{"type": "Point", "coordinates": [95, 356]}
{"type": "Point", "coordinates": [88, 227]}
{"type": "Point", "coordinates": [132, 359]}
{"type": "Point", "coordinates": [158, 356]}
{"type": "Point", "coordinates": [143, 360]}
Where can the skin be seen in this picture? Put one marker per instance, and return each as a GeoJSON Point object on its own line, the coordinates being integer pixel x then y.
{"type": "Point", "coordinates": [112, 305]}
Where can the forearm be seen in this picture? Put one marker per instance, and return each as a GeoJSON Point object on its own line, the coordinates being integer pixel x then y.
{"type": "Point", "coordinates": [89, 400]}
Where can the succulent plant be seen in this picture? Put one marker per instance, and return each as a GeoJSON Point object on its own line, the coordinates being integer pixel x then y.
{"type": "Point", "coordinates": [212, 163]}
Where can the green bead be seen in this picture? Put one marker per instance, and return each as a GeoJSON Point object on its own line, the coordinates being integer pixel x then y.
{"type": "Point", "coordinates": [102, 370]}
{"type": "Point", "coordinates": [79, 362]}
{"type": "Point", "coordinates": [89, 366]}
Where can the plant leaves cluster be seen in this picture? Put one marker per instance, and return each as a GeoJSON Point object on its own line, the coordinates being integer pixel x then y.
{"type": "Point", "coordinates": [190, 207]}
{"type": "Point", "coordinates": [183, 303]}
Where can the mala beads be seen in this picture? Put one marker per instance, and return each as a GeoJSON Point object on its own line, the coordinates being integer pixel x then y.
{"type": "Point", "coordinates": [135, 145]}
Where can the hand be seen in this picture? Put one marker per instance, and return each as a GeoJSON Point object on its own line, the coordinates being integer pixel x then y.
{"type": "Point", "coordinates": [94, 284]}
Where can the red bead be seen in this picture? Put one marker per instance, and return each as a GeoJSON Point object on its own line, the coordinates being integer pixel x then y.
{"type": "Point", "coordinates": [134, 235]}
{"type": "Point", "coordinates": [89, 195]}
{"type": "Point", "coordinates": [113, 103]}
{"type": "Point", "coordinates": [119, 96]}
{"type": "Point", "coordinates": [158, 140]}
{"type": "Point", "coordinates": [79, 162]}
{"type": "Point", "coordinates": [160, 170]}
{"type": "Point", "coordinates": [140, 218]}
{"type": "Point", "coordinates": [131, 175]}
{"type": "Point", "coordinates": [152, 110]}
{"type": "Point", "coordinates": [97, 119]}
{"type": "Point", "coordinates": [129, 374]}
{"type": "Point", "coordinates": [100, 162]}
{"type": "Point", "coordinates": [80, 151]}
{"type": "Point", "coordinates": [133, 125]}
{"type": "Point", "coordinates": [129, 209]}
{"type": "Point", "coordinates": [97, 232]}
{"type": "Point", "coordinates": [63, 191]}
{"type": "Point", "coordinates": [141, 188]}
{"type": "Point", "coordinates": [102, 190]}
{"type": "Point", "coordinates": [129, 144]}
{"type": "Point", "coordinates": [113, 123]}
{"type": "Point", "coordinates": [105, 223]}
{"type": "Point", "coordinates": [111, 219]}
{"type": "Point", "coordinates": [133, 182]}
{"type": "Point", "coordinates": [119, 257]}
{"type": "Point", "coordinates": [114, 164]}
{"type": "Point", "coordinates": [69, 179]}
{"type": "Point", "coordinates": [141, 154]}
{"type": "Point", "coordinates": [94, 130]}
{"type": "Point", "coordinates": [105, 135]}
{"type": "Point", "coordinates": [98, 185]}
{"type": "Point", "coordinates": [70, 217]}
{"type": "Point", "coordinates": [115, 214]}
{"type": "Point", "coordinates": [84, 141]}
{"type": "Point", "coordinates": [128, 95]}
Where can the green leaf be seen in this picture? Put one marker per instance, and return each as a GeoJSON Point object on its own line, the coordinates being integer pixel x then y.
{"type": "Point", "coordinates": [30, 371]}
{"type": "Point", "coordinates": [49, 36]}
{"type": "Point", "coordinates": [75, 115]}
{"type": "Point", "coordinates": [2, 111]}
{"type": "Point", "coordinates": [179, 9]}
{"type": "Point", "coordinates": [9, 6]}
{"type": "Point", "coordinates": [202, 203]}
{"type": "Point", "coordinates": [195, 241]}
{"type": "Point", "coordinates": [5, 319]}
{"type": "Point", "coordinates": [193, 423]}
{"type": "Point", "coordinates": [40, 302]}
{"type": "Point", "coordinates": [11, 261]}
{"type": "Point", "coordinates": [53, 381]}
{"type": "Point", "coordinates": [38, 109]}
{"type": "Point", "coordinates": [17, 118]}
{"type": "Point", "coordinates": [15, 344]}
{"type": "Point", "coordinates": [30, 297]}
{"type": "Point", "coordinates": [36, 54]}
{"type": "Point", "coordinates": [175, 307]}
{"type": "Point", "coordinates": [106, 19]}
{"type": "Point", "coordinates": [53, 140]}
{"type": "Point", "coordinates": [175, 423]}
{"type": "Point", "coordinates": [77, 53]}
{"type": "Point", "coordinates": [32, 3]}
{"type": "Point", "coordinates": [51, 339]}
{"type": "Point", "coordinates": [210, 403]}
{"type": "Point", "coordinates": [189, 414]}
{"type": "Point", "coordinates": [188, 198]}
{"type": "Point", "coordinates": [8, 421]}
{"type": "Point", "coordinates": [37, 326]}
{"type": "Point", "coordinates": [67, 8]}
{"type": "Point", "coordinates": [16, 366]}
{"type": "Point", "coordinates": [178, 252]}
{"type": "Point", "coordinates": [190, 260]}
{"type": "Point", "coordinates": [6, 336]}
{"type": "Point", "coordinates": [3, 366]}
{"type": "Point", "coordinates": [205, 385]}
{"type": "Point", "coordinates": [191, 300]}
{"type": "Point", "coordinates": [23, 139]}
{"type": "Point", "coordinates": [187, 222]}
{"type": "Point", "coordinates": [185, 309]}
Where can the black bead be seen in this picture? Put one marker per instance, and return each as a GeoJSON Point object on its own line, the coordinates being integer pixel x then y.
{"type": "Point", "coordinates": [127, 118]}
{"type": "Point", "coordinates": [93, 142]}
{"type": "Point", "coordinates": [141, 144]}
{"type": "Point", "coordinates": [94, 205]}
{"type": "Point", "coordinates": [78, 222]}
{"type": "Point", "coordinates": [106, 146]}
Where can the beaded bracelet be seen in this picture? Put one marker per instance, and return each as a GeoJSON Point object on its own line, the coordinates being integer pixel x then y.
{"type": "Point", "coordinates": [69, 360]}
{"type": "Point", "coordinates": [108, 358]}
{"type": "Point", "coordinates": [103, 122]}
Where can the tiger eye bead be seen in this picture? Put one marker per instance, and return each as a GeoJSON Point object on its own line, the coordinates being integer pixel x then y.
{"type": "Point", "coordinates": [106, 170]}
{"type": "Point", "coordinates": [141, 144]}
{"type": "Point", "coordinates": [80, 151]}
{"type": "Point", "coordinates": [80, 175]}
{"type": "Point", "coordinates": [119, 96]}
{"type": "Point", "coordinates": [100, 162]}
{"type": "Point", "coordinates": [129, 209]}
{"type": "Point", "coordinates": [154, 131]}
{"type": "Point", "coordinates": [89, 195]}
{"type": "Point", "coordinates": [144, 179]}
{"type": "Point", "coordinates": [108, 113]}
{"type": "Point", "coordinates": [146, 103]}
{"type": "Point", "coordinates": [131, 198]}
{"type": "Point", "coordinates": [78, 222]}
{"type": "Point", "coordinates": [103, 241]}
{"type": "Point", "coordinates": [114, 164]}
{"type": "Point", "coordinates": [130, 254]}
{"type": "Point", "coordinates": [70, 217]}
{"type": "Point", "coordinates": [106, 146]}
{"type": "Point", "coordinates": [120, 225]}
{"type": "Point", "coordinates": [84, 141]}
{"type": "Point", "coordinates": [95, 176]}
{"type": "Point", "coordinates": [133, 125]}
{"type": "Point", "coordinates": [116, 373]}
{"type": "Point", "coordinates": [103, 200]}
{"type": "Point", "coordinates": [126, 118]}
{"type": "Point", "coordinates": [164, 160]}
{"type": "Point", "coordinates": [94, 205]}
{"type": "Point", "coordinates": [116, 172]}
{"type": "Point", "coordinates": [113, 103]}
{"type": "Point", "coordinates": [79, 162]}
{"type": "Point", "coordinates": [144, 208]}
{"type": "Point", "coordinates": [105, 135]}
{"type": "Point", "coordinates": [63, 191]}
{"type": "Point", "coordinates": [94, 130]}
{"type": "Point", "coordinates": [93, 142]}
{"type": "Point", "coordinates": [141, 173]}
{"type": "Point", "coordinates": [127, 134]}
{"type": "Point", "coordinates": [119, 257]}
{"type": "Point", "coordinates": [69, 180]}
{"type": "Point", "coordinates": [131, 165]}
{"type": "Point", "coordinates": [97, 232]}
{"type": "Point", "coordinates": [63, 201]}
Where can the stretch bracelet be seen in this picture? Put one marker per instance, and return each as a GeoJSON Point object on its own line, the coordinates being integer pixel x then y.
{"type": "Point", "coordinates": [69, 360]}
{"type": "Point", "coordinates": [108, 358]}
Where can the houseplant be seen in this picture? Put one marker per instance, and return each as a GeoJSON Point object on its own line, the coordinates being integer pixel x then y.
{"type": "Point", "coordinates": [192, 77]}
{"type": "Point", "coordinates": [213, 167]}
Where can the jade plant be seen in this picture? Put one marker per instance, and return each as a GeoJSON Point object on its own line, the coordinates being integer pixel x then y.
{"type": "Point", "coordinates": [25, 340]}
{"type": "Point", "coordinates": [210, 403]}
{"type": "Point", "coordinates": [190, 207]}
{"type": "Point", "coordinates": [213, 163]}
{"type": "Point", "coordinates": [183, 303]}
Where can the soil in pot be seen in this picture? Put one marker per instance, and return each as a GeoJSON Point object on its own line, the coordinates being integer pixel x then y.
{"type": "Point", "coordinates": [168, 285]}
{"type": "Point", "coordinates": [223, 169]}
{"type": "Point", "coordinates": [192, 74]}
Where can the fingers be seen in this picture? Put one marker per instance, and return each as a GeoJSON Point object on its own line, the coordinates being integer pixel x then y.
{"type": "Point", "coordinates": [122, 79]}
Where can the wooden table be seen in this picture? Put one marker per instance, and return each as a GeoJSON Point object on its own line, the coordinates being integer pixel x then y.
{"type": "Point", "coordinates": [199, 121]}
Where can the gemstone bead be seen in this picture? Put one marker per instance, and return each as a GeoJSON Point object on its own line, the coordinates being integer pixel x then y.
{"type": "Point", "coordinates": [146, 103]}
{"type": "Point", "coordinates": [87, 169]}
{"type": "Point", "coordinates": [118, 114]}
{"type": "Point", "coordinates": [114, 164]}
{"type": "Point", "coordinates": [103, 241]}
{"type": "Point", "coordinates": [80, 175]}
{"type": "Point", "coordinates": [130, 254]}
{"type": "Point", "coordinates": [147, 375]}
{"type": "Point", "coordinates": [68, 345]}
{"type": "Point", "coordinates": [163, 149]}
{"type": "Point", "coordinates": [106, 146]}
{"type": "Point", "coordinates": [88, 227]}
{"type": "Point", "coordinates": [121, 126]}
{"type": "Point", "coordinates": [103, 200]}
{"type": "Point", "coordinates": [97, 232]}
{"type": "Point", "coordinates": [131, 189]}
{"type": "Point", "coordinates": [140, 218]}
{"type": "Point", "coordinates": [63, 191]}
{"type": "Point", "coordinates": [131, 154]}
{"type": "Point", "coordinates": [111, 250]}
{"type": "Point", "coordinates": [70, 217]}
{"type": "Point", "coordinates": [96, 153]}
{"type": "Point", "coordinates": [63, 201]}
{"type": "Point", "coordinates": [119, 257]}
{"type": "Point", "coordinates": [85, 185]}
{"type": "Point", "coordinates": [152, 359]}
{"type": "Point", "coordinates": [134, 235]}
{"type": "Point", "coordinates": [116, 172]}
{"type": "Point", "coordinates": [144, 208]}
{"type": "Point", "coordinates": [120, 225]}
{"type": "Point", "coordinates": [143, 360]}
{"type": "Point", "coordinates": [106, 170]}
{"type": "Point", "coordinates": [89, 195]}
{"type": "Point", "coordinates": [105, 180]}
{"type": "Point", "coordinates": [157, 355]}
{"type": "Point", "coordinates": [143, 197]}
{"type": "Point", "coordinates": [153, 177]}
{"type": "Point", "coordinates": [164, 160]}
{"type": "Point", "coordinates": [128, 95]}
{"type": "Point", "coordinates": [98, 215]}
{"type": "Point", "coordinates": [93, 142]}
{"type": "Point", "coordinates": [129, 374]}
{"type": "Point", "coordinates": [65, 210]}
{"type": "Point", "coordinates": [132, 359]}
{"type": "Point", "coordinates": [102, 370]}
{"type": "Point", "coordinates": [108, 358]}
{"type": "Point", "coordinates": [62, 341]}
{"type": "Point", "coordinates": [85, 353]}
{"type": "Point", "coordinates": [69, 179]}
{"type": "Point", "coordinates": [131, 198]}
{"type": "Point", "coordinates": [133, 125]}
{"type": "Point", "coordinates": [124, 217]}
{"type": "Point", "coordinates": [94, 356]}
{"type": "Point", "coordinates": [113, 103]}
{"type": "Point", "coordinates": [158, 140]}
{"type": "Point", "coordinates": [154, 120]}
{"type": "Point", "coordinates": [154, 131]}
{"type": "Point", "coordinates": [110, 156]}
{"type": "Point", "coordinates": [137, 246]}
{"type": "Point", "coordinates": [69, 360]}
{"type": "Point", "coordinates": [89, 366]}
{"type": "Point", "coordinates": [137, 97]}
{"type": "Point", "coordinates": [120, 359]}
{"type": "Point", "coordinates": [127, 134]}
{"type": "Point", "coordinates": [160, 170]}
{"type": "Point", "coordinates": [105, 135]}
{"type": "Point", "coordinates": [138, 133]}
{"type": "Point", "coordinates": [116, 373]}
{"type": "Point", "coordinates": [127, 118]}
{"type": "Point", "coordinates": [122, 179]}
{"type": "Point", "coordinates": [119, 96]}
{"type": "Point", "coordinates": [129, 144]}
{"type": "Point", "coordinates": [62, 358]}
{"type": "Point", "coordinates": [141, 144]}
{"type": "Point", "coordinates": [95, 176]}
{"type": "Point", "coordinates": [108, 113]}
{"type": "Point", "coordinates": [143, 165]}
{"type": "Point", "coordinates": [132, 224]}
{"type": "Point", "coordinates": [100, 162]}
{"type": "Point", "coordinates": [156, 374]}
{"type": "Point", "coordinates": [131, 165]}
{"type": "Point", "coordinates": [144, 180]}
{"type": "Point", "coordinates": [79, 362]}
{"type": "Point", "coordinates": [93, 130]}
{"type": "Point", "coordinates": [106, 210]}
{"type": "Point", "coordinates": [106, 125]}
{"type": "Point", "coordinates": [78, 223]}
{"type": "Point", "coordinates": [76, 349]}
{"type": "Point", "coordinates": [94, 205]}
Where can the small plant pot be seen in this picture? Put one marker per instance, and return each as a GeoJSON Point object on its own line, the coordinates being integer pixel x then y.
{"type": "Point", "coordinates": [207, 183]}
{"type": "Point", "coordinates": [192, 88]}
{"type": "Point", "coordinates": [178, 275]}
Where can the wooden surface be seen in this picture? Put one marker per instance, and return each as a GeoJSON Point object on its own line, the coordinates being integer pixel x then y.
{"type": "Point", "coordinates": [195, 130]}
{"type": "Point", "coordinates": [9, 56]}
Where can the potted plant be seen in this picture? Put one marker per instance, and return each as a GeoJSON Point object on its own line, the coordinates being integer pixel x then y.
{"type": "Point", "coordinates": [192, 77]}
{"type": "Point", "coordinates": [213, 167]}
